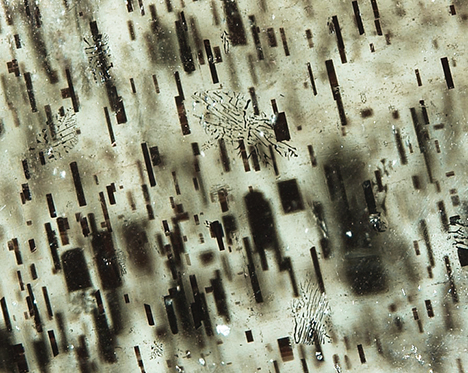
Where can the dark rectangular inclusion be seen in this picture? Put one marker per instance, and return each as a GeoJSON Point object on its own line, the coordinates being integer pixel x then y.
{"type": "Point", "coordinates": [53, 245]}
{"type": "Point", "coordinates": [132, 84]}
{"type": "Point", "coordinates": [308, 33]}
{"type": "Point", "coordinates": [51, 205]}
{"type": "Point", "coordinates": [182, 115]}
{"type": "Point", "coordinates": [33, 271]}
{"type": "Point", "coordinates": [243, 152]}
{"type": "Point", "coordinates": [234, 22]}
{"type": "Point", "coordinates": [362, 357]}
{"type": "Point", "coordinates": [75, 270]}
{"type": "Point", "coordinates": [311, 77]}
{"type": "Point", "coordinates": [290, 196]}
{"type": "Point", "coordinates": [216, 230]}
{"type": "Point", "coordinates": [220, 296]}
{"type": "Point", "coordinates": [336, 91]}
{"type": "Point", "coordinates": [83, 355]}
{"type": "Point", "coordinates": [253, 97]}
{"type": "Point", "coordinates": [131, 30]}
{"type": "Point", "coordinates": [156, 84]}
{"type": "Point", "coordinates": [26, 191]}
{"type": "Point", "coordinates": [109, 125]}
{"type": "Point", "coordinates": [27, 174]}
{"type": "Point", "coordinates": [254, 156]}
{"type": "Point", "coordinates": [34, 309]}
{"type": "Point", "coordinates": [256, 37]}
{"type": "Point", "coordinates": [375, 8]}
{"type": "Point", "coordinates": [15, 245]}
{"type": "Point", "coordinates": [169, 6]}
{"type": "Point", "coordinates": [425, 233]}
{"type": "Point", "coordinates": [106, 260]}
{"type": "Point", "coordinates": [378, 27]}
{"type": "Point", "coordinates": [149, 314]}
{"type": "Point", "coordinates": [272, 37]}
{"type": "Point", "coordinates": [448, 74]}
{"type": "Point", "coordinates": [357, 15]}
{"type": "Point", "coordinates": [6, 315]}
{"type": "Point", "coordinates": [149, 167]}
{"type": "Point", "coordinates": [179, 85]}
{"type": "Point", "coordinates": [273, 160]}
{"type": "Point", "coordinates": [339, 39]}
{"type": "Point", "coordinates": [184, 47]}
{"type": "Point", "coordinates": [155, 156]}
{"type": "Point", "coordinates": [53, 342]}
{"type": "Point", "coordinates": [418, 77]}
{"type": "Point", "coordinates": [281, 128]}
{"type": "Point", "coordinates": [45, 294]}
{"type": "Point", "coordinates": [453, 289]}
{"type": "Point", "coordinates": [424, 112]}
{"type": "Point", "coordinates": [20, 280]}
{"type": "Point", "coordinates": [85, 227]}
{"type": "Point", "coordinates": [285, 347]}
{"type": "Point", "coordinates": [252, 272]}
{"type": "Point", "coordinates": [182, 305]}
{"type": "Point", "coordinates": [78, 187]}
{"type": "Point", "coordinates": [229, 224]}
{"type": "Point", "coordinates": [423, 140]}
{"type": "Point", "coordinates": [430, 311]}
{"type": "Point", "coordinates": [400, 148]}
{"type": "Point", "coordinates": [138, 354]}
{"type": "Point", "coordinates": [443, 215]}
{"type": "Point", "coordinates": [17, 41]}
{"type": "Point", "coordinates": [217, 53]}
{"type": "Point", "coordinates": [19, 357]}
{"type": "Point", "coordinates": [106, 337]}
{"type": "Point", "coordinates": [105, 211]}
{"type": "Point", "coordinates": [332, 76]}
{"type": "Point", "coordinates": [369, 196]}
{"type": "Point", "coordinates": [285, 41]}
{"type": "Point", "coordinates": [313, 158]}
{"type": "Point", "coordinates": [318, 272]}
{"type": "Point", "coordinates": [50, 121]}
{"type": "Point", "coordinates": [29, 88]}
{"type": "Point", "coordinates": [71, 92]}
{"type": "Point", "coordinates": [211, 62]}
{"type": "Point", "coordinates": [224, 155]}
{"type": "Point", "coordinates": [110, 193]}
{"type": "Point", "coordinates": [171, 316]}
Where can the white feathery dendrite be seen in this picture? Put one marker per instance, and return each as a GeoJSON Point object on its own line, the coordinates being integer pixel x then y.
{"type": "Point", "coordinates": [229, 116]}
{"type": "Point", "coordinates": [310, 313]}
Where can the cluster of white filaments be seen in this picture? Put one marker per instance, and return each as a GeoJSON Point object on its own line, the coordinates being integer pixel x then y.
{"type": "Point", "coordinates": [310, 312]}
{"type": "Point", "coordinates": [229, 116]}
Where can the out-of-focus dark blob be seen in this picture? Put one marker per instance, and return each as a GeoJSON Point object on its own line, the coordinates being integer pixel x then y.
{"type": "Point", "coordinates": [357, 241]}
{"type": "Point", "coordinates": [76, 270]}
{"type": "Point", "coordinates": [105, 257]}
{"type": "Point", "coordinates": [138, 247]}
